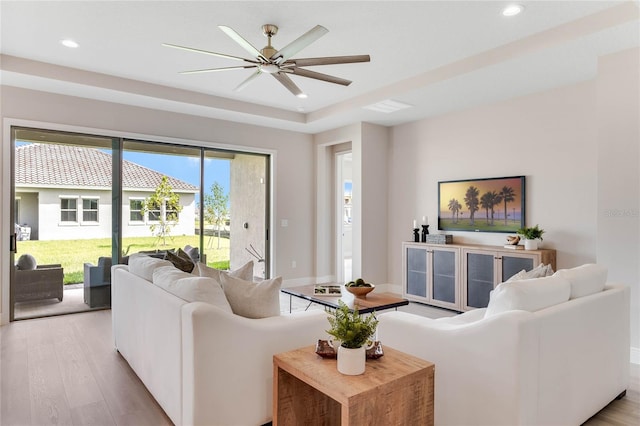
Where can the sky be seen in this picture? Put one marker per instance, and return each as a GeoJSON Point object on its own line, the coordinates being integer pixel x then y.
{"type": "Point", "coordinates": [186, 169]}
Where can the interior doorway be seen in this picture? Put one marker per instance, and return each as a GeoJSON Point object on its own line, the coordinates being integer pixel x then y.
{"type": "Point", "coordinates": [344, 216]}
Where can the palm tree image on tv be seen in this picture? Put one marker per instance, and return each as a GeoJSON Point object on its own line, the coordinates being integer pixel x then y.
{"type": "Point", "coordinates": [508, 196]}
{"type": "Point", "coordinates": [455, 207]}
{"type": "Point", "coordinates": [471, 201]}
{"type": "Point", "coordinates": [499, 200]}
{"type": "Point", "coordinates": [488, 201]}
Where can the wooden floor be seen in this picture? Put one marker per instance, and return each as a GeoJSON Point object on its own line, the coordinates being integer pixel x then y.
{"type": "Point", "coordinates": [64, 371]}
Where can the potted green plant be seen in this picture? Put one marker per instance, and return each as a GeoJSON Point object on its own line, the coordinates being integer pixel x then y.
{"type": "Point", "coordinates": [353, 332]}
{"type": "Point", "coordinates": [531, 236]}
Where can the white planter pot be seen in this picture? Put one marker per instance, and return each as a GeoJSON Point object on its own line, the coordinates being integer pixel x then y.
{"type": "Point", "coordinates": [351, 361]}
{"type": "Point", "coordinates": [531, 244]}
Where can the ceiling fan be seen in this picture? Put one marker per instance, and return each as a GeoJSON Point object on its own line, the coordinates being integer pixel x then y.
{"type": "Point", "coordinates": [278, 63]}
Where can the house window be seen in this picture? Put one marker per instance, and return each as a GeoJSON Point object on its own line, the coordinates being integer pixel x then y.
{"type": "Point", "coordinates": [155, 212]}
{"type": "Point", "coordinates": [135, 211]}
{"type": "Point", "coordinates": [172, 216]}
{"type": "Point", "coordinates": [90, 210]}
{"type": "Point", "coordinates": [68, 210]}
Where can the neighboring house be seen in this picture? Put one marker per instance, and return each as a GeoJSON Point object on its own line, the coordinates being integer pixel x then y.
{"type": "Point", "coordinates": [63, 192]}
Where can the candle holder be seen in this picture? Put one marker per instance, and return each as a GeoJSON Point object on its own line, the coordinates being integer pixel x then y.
{"type": "Point", "coordinates": [416, 236]}
{"type": "Point", "coordinates": [425, 232]}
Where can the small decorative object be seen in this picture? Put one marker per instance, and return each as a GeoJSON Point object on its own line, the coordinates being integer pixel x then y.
{"type": "Point", "coordinates": [531, 237]}
{"type": "Point", "coordinates": [512, 242]}
{"type": "Point", "coordinates": [353, 332]}
{"type": "Point", "coordinates": [416, 235]}
{"type": "Point", "coordinates": [513, 239]}
{"type": "Point", "coordinates": [327, 290]}
{"type": "Point", "coordinates": [439, 239]}
{"type": "Point", "coordinates": [359, 287]}
{"type": "Point", "coordinates": [325, 350]}
{"type": "Point", "coordinates": [425, 232]}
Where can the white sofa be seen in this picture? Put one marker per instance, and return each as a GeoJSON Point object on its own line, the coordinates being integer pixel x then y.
{"type": "Point", "coordinates": [547, 351]}
{"type": "Point", "coordinates": [204, 365]}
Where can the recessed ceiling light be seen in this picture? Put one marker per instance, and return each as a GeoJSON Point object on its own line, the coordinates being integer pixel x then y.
{"type": "Point", "coordinates": [387, 106]}
{"type": "Point", "coordinates": [302, 95]}
{"type": "Point", "coordinates": [512, 10]}
{"type": "Point", "coordinates": [67, 42]}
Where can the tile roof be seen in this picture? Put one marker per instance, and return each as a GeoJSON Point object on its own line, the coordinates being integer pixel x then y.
{"type": "Point", "coordinates": [50, 165]}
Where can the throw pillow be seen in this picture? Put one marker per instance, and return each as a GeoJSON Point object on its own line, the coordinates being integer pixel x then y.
{"type": "Point", "coordinates": [245, 272]}
{"type": "Point", "coordinates": [252, 300]}
{"type": "Point", "coordinates": [26, 262]}
{"type": "Point", "coordinates": [539, 271]}
{"type": "Point", "coordinates": [585, 280]}
{"type": "Point", "coordinates": [528, 295]}
{"type": "Point", "coordinates": [143, 265]}
{"type": "Point", "coordinates": [181, 261]}
{"type": "Point", "coordinates": [190, 288]}
{"type": "Point", "coordinates": [193, 252]}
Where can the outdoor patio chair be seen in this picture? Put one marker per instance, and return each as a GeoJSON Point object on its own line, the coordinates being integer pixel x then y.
{"type": "Point", "coordinates": [43, 282]}
{"type": "Point", "coordinates": [97, 283]}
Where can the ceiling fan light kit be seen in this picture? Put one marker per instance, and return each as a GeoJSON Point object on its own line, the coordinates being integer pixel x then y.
{"type": "Point", "coordinates": [278, 63]}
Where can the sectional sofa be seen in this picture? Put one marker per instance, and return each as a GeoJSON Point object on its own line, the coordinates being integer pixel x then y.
{"type": "Point", "coordinates": [203, 363]}
{"type": "Point", "coordinates": [546, 351]}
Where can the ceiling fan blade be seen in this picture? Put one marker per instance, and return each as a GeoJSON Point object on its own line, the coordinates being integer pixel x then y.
{"type": "Point", "coordinates": [248, 80]}
{"type": "Point", "coordinates": [298, 44]}
{"type": "Point", "coordinates": [243, 43]}
{"type": "Point", "coordinates": [328, 60]}
{"type": "Point", "coordinates": [218, 69]}
{"type": "Point", "coordinates": [289, 84]}
{"type": "Point", "coordinates": [319, 76]}
{"type": "Point", "coordinates": [206, 52]}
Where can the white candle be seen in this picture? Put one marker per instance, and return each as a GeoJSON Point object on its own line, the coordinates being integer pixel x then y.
{"type": "Point", "coordinates": [415, 224]}
{"type": "Point", "coordinates": [424, 220]}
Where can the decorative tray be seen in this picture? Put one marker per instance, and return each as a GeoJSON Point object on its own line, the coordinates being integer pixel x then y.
{"type": "Point", "coordinates": [326, 351]}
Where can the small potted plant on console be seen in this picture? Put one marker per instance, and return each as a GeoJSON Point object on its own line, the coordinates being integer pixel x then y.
{"type": "Point", "coordinates": [531, 237]}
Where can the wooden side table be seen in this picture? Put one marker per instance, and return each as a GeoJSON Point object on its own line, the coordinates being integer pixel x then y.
{"type": "Point", "coordinates": [396, 389]}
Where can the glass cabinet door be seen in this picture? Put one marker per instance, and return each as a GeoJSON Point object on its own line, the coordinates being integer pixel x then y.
{"type": "Point", "coordinates": [416, 272]}
{"type": "Point", "coordinates": [479, 279]}
{"type": "Point", "coordinates": [511, 265]}
{"type": "Point", "coordinates": [443, 276]}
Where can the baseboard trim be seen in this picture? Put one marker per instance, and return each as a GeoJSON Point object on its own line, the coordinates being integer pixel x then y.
{"type": "Point", "coordinates": [635, 355]}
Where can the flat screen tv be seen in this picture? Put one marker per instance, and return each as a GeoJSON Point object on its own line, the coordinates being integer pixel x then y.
{"type": "Point", "coordinates": [482, 205]}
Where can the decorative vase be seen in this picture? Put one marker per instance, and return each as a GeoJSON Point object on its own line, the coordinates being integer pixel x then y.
{"type": "Point", "coordinates": [531, 244]}
{"type": "Point", "coordinates": [351, 361]}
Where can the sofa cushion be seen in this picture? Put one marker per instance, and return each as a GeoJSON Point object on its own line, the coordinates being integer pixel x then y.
{"type": "Point", "coordinates": [26, 262]}
{"type": "Point", "coordinates": [585, 279]}
{"type": "Point", "coordinates": [180, 260]}
{"type": "Point", "coordinates": [252, 300]}
{"type": "Point", "coordinates": [528, 295]}
{"type": "Point", "coordinates": [539, 271]}
{"type": "Point", "coordinates": [143, 265]}
{"type": "Point", "coordinates": [245, 272]}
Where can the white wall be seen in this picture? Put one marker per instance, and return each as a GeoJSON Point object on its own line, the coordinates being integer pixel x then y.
{"type": "Point", "coordinates": [50, 226]}
{"type": "Point", "coordinates": [185, 225]}
{"type": "Point", "coordinates": [568, 142]}
{"type": "Point", "coordinates": [292, 172]}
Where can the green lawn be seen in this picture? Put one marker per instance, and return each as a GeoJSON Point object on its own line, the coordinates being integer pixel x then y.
{"type": "Point", "coordinates": [73, 254]}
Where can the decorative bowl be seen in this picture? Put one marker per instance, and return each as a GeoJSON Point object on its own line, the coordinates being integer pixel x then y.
{"type": "Point", "coordinates": [360, 291]}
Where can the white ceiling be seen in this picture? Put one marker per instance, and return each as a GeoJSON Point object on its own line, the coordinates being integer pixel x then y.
{"type": "Point", "coordinates": [438, 56]}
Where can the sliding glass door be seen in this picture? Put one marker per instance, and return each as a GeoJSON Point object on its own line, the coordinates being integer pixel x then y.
{"type": "Point", "coordinates": [62, 219]}
{"type": "Point", "coordinates": [83, 203]}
